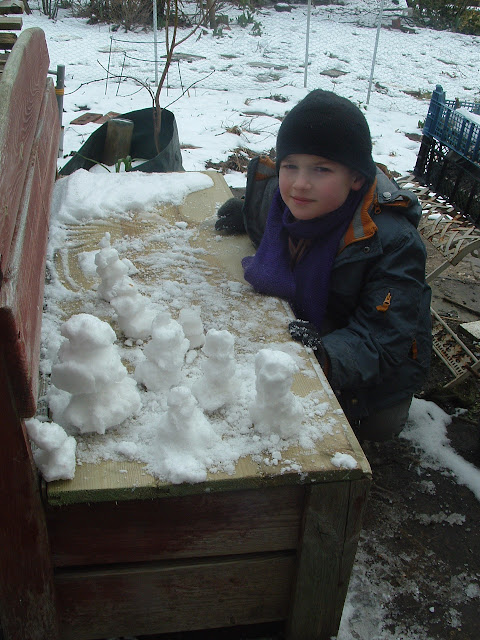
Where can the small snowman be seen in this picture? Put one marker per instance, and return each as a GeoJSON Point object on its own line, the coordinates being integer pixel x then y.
{"type": "Point", "coordinates": [112, 271]}
{"type": "Point", "coordinates": [215, 388]}
{"type": "Point", "coordinates": [55, 453]}
{"type": "Point", "coordinates": [192, 324]}
{"type": "Point", "coordinates": [275, 409]}
{"type": "Point", "coordinates": [93, 391]}
{"type": "Point", "coordinates": [133, 316]}
{"type": "Point", "coordinates": [165, 355]}
{"type": "Point", "coordinates": [185, 438]}
{"type": "Point", "coordinates": [184, 426]}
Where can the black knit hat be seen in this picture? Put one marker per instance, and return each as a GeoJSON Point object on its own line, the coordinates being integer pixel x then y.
{"type": "Point", "coordinates": [327, 125]}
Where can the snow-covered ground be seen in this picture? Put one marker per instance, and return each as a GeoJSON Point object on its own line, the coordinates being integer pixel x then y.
{"type": "Point", "coordinates": [231, 93]}
{"type": "Point", "coordinates": [238, 77]}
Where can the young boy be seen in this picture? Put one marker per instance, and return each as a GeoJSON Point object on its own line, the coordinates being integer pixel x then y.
{"type": "Point", "coordinates": [340, 244]}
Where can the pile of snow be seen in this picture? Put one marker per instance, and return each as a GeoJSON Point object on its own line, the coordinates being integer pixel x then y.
{"type": "Point", "coordinates": [54, 452]}
{"type": "Point", "coordinates": [89, 195]}
{"type": "Point", "coordinates": [427, 430]}
{"type": "Point", "coordinates": [85, 362]}
{"type": "Point", "coordinates": [136, 375]}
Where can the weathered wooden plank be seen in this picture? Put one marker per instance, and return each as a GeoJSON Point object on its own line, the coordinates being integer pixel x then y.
{"type": "Point", "coordinates": [27, 602]}
{"type": "Point", "coordinates": [21, 92]}
{"type": "Point", "coordinates": [86, 118]}
{"type": "Point", "coordinates": [21, 294]}
{"type": "Point", "coordinates": [327, 551]}
{"type": "Point", "coordinates": [7, 40]}
{"type": "Point", "coordinates": [14, 23]}
{"type": "Point", "coordinates": [27, 609]}
{"type": "Point", "coordinates": [359, 490]}
{"type": "Point", "coordinates": [194, 526]}
{"type": "Point", "coordinates": [11, 23]}
{"type": "Point", "coordinates": [11, 6]}
{"type": "Point", "coordinates": [166, 598]}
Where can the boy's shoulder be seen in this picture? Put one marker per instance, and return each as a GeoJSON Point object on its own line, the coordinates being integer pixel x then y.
{"type": "Point", "coordinates": [391, 198]}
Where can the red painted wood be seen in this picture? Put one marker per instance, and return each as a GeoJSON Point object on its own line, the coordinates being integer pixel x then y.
{"type": "Point", "coordinates": [28, 149]}
{"type": "Point", "coordinates": [21, 294]}
{"type": "Point", "coordinates": [21, 93]}
{"type": "Point", "coordinates": [27, 610]}
{"type": "Point", "coordinates": [205, 525]}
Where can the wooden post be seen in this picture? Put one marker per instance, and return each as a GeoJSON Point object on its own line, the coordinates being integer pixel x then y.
{"type": "Point", "coordinates": [118, 140]}
{"type": "Point", "coordinates": [332, 524]}
{"type": "Point", "coordinates": [211, 14]}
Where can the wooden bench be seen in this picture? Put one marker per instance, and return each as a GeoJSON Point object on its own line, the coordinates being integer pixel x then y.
{"type": "Point", "coordinates": [116, 552]}
{"type": "Point", "coordinates": [29, 133]}
{"type": "Point", "coordinates": [9, 23]}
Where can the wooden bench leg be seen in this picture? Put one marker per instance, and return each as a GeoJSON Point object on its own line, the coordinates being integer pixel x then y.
{"type": "Point", "coordinates": [332, 524]}
{"type": "Point", "coordinates": [27, 610]}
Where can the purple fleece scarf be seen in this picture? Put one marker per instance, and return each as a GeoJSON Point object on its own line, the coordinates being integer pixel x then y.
{"type": "Point", "coordinates": [306, 285]}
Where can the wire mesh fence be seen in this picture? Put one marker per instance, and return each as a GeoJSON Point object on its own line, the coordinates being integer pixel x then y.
{"type": "Point", "coordinates": [299, 44]}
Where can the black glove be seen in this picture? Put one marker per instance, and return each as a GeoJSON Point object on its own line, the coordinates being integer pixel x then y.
{"type": "Point", "coordinates": [230, 217]}
{"type": "Point", "coordinates": [306, 333]}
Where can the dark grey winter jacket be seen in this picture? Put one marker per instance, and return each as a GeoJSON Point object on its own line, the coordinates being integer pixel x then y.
{"type": "Point", "coordinates": [377, 332]}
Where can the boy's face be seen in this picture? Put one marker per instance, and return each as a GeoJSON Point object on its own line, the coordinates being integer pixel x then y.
{"type": "Point", "coordinates": [312, 186]}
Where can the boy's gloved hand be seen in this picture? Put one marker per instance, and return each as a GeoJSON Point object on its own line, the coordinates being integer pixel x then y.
{"type": "Point", "coordinates": [230, 217]}
{"type": "Point", "coordinates": [306, 333]}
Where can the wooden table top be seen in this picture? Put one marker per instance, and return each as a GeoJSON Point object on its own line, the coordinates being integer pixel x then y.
{"type": "Point", "coordinates": [219, 257]}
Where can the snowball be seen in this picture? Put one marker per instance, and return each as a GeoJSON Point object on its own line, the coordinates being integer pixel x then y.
{"type": "Point", "coordinates": [219, 344]}
{"type": "Point", "coordinates": [55, 456]}
{"type": "Point", "coordinates": [88, 372]}
{"type": "Point", "coordinates": [133, 316]}
{"type": "Point", "coordinates": [107, 408]}
{"type": "Point", "coordinates": [46, 435]}
{"type": "Point", "coordinates": [87, 331]}
{"type": "Point", "coordinates": [58, 464]}
{"type": "Point", "coordinates": [165, 355]}
{"type": "Point", "coordinates": [343, 461]}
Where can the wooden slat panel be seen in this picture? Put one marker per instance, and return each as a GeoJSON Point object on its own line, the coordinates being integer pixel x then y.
{"type": "Point", "coordinates": [21, 295]}
{"type": "Point", "coordinates": [11, 23]}
{"type": "Point", "coordinates": [7, 40]}
{"type": "Point", "coordinates": [203, 525]}
{"type": "Point", "coordinates": [11, 6]}
{"type": "Point", "coordinates": [21, 91]}
{"type": "Point", "coordinates": [163, 599]}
